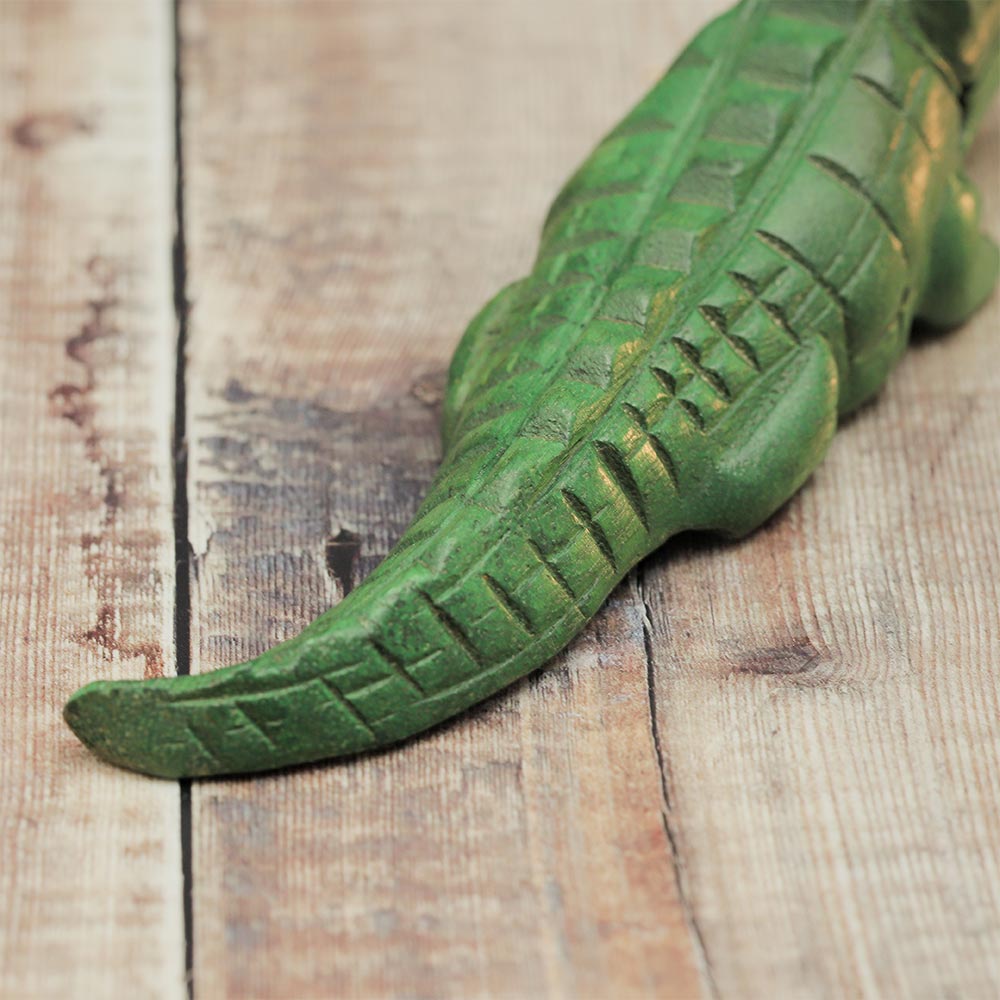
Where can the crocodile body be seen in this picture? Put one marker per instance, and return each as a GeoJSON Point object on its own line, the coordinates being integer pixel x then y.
{"type": "Point", "coordinates": [737, 263]}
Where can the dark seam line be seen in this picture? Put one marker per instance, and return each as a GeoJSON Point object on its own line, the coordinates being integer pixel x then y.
{"type": "Point", "coordinates": [182, 566]}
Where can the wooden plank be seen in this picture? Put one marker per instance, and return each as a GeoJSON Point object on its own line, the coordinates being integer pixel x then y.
{"type": "Point", "coordinates": [828, 705]}
{"type": "Point", "coordinates": [360, 177]}
{"type": "Point", "coordinates": [89, 855]}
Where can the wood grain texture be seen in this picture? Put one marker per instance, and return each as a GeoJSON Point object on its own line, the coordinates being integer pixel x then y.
{"type": "Point", "coordinates": [827, 695]}
{"type": "Point", "coordinates": [824, 694]}
{"type": "Point", "coordinates": [360, 177]}
{"type": "Point", "coordinates": [89, 856]}
{"type": "Point", "coordinates": [767, 768]}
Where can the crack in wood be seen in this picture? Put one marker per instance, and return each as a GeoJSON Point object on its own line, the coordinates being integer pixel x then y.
{"type": "Point", "coordinates": [676, 859]}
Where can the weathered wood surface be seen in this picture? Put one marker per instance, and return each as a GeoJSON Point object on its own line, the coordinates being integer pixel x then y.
{"type": "Point", "coordinates": [767, 769]}
{"type": "Point", "coordinates": [90, 880]}
{"type": "Point", "coordinates": [360, 177]}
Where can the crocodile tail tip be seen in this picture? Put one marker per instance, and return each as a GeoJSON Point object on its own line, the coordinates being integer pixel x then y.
{"type": "Point", "coordinates": [116, 720]}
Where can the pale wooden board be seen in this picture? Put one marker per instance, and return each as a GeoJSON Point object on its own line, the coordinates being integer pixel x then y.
{"type": "Point", "coordinates": [828, 697]}
{"type": "Point", "coordinates": [90, 874]}
{"type": "Point", "coordinates": [360, 177]}
{"type": "Point", "coordinates": [825, 692]}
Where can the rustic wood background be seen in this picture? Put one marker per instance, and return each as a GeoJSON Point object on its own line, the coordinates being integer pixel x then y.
{"type": "Point", "coordinates": [767, 769]}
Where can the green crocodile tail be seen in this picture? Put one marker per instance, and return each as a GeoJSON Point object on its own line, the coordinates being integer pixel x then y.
{"type": "Point", "coordinates": [738, 262]}
{"type": "Point", "coordinates": [465, 606]}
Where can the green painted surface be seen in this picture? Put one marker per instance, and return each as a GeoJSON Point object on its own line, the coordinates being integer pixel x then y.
{"type": "Point", "coordinates": [736, 264]}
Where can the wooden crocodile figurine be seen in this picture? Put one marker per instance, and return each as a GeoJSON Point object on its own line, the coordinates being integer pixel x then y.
{"type": "Point", "coordinates": [736, 264]}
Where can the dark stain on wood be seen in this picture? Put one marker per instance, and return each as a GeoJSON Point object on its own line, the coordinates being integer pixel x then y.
{"type": "Point", "coordinates": [113, 576]}
{"type": "Point", "coordinates": [792, 660]}
{"type": "Point", "coordinates": [283, 477]}
{"type": "Point", "coordinates": [341, 553]}
{"type": "Point", "coordinates": [37, 132]}
{"type": "Point", "coordinates": [74, 402]}
{"type": "Point", "coordinates": [105, 635]}
{"type": "Point", "coordinates": [236, 392]}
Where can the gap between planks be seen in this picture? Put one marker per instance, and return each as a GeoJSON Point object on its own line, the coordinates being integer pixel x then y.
{"type": "Point", "coordinates": [182, 577]}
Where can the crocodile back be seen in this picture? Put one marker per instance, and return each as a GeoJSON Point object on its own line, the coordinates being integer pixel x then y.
{"type": "Point", "coordinates": [780, 183]}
